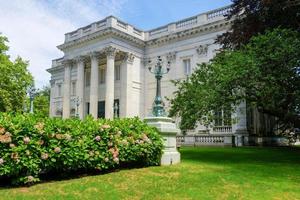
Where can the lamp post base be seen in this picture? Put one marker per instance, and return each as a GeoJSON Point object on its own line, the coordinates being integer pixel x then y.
{"type": "Point", "coordinates": [168, 131]}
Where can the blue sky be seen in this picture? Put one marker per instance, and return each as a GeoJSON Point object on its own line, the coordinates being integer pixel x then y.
{"type": "Point", "coordinates": [35, 27]}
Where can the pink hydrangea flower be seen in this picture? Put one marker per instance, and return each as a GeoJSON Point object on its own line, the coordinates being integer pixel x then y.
{"type": "Point", "coordinates": [57, 150]}
{"type": "Point", "coordinates": [116, 160]}
{"type": "Point", "coordinates": [44, 156]}
{"type": "Point", "coordinates": [26, 140]}
{"type": "Point", "coordinates": [68, 137]}
{"type": "Point", "coordinates": [30, 179]}
{"type": "Point", "coordinates": [97, 138]}
{"type": "Point", "coordinates": [2, 130]}
{"type": "Point", "coordinates": [1, 161]}
{"type": "Point", "coordinates": [105, 126]}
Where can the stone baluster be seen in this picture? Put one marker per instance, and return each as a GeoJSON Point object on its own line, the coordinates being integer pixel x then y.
{"type": "Point", "coordinates": [110, 78]}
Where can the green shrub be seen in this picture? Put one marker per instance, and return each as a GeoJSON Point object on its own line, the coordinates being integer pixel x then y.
{"type": "Point", "coordinates": [32, 146]}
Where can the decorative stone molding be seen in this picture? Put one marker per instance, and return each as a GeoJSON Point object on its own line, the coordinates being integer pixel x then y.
{"type": "Point", "coordinates": [145, 61]}
{"type": "Point", "coordinates": [202, 50]}
{"type": "Point", "coordinates": [129, 57]}
{"type": "Point", "coordinates": [52, 82]}
{"type": "Point", "coordinates": [110, 51]}
{"type": "Point", "coordinates": [94, 54]}
{"type": "Point", "coordinates": [67, 62]}
{"type": "Point", "coordinates": [171, 56]}
{"type": "Point", "coordinates": [80, 59]}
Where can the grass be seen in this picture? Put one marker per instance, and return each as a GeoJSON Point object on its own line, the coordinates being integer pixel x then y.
{"type": "Point", "coordinates": [205, 173]}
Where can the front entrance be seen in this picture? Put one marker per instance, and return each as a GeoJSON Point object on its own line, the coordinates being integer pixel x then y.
{"type": "Point", "coordinates": [101, 109]}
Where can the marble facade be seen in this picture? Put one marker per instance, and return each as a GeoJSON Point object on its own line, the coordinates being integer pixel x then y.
{"type": "Point", "coordinates": [105, 66]}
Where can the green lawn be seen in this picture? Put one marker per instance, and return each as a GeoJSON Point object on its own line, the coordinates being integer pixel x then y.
{"type": "Point", "coordinates": [205, 173]}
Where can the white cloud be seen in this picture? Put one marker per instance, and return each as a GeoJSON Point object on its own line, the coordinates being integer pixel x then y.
{"type": "Point", "coordinates": [34, 28]}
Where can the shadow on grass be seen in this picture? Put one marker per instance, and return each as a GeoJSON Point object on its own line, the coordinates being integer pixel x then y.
{"type": "Point", "coordinates": [5, 183]}
{"type": "Point", "coordinates": [246, 155]}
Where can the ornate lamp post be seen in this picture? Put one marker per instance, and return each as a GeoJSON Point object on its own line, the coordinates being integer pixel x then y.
{"type": "Point", "coordinates": [77, 102]}
{"type": "Point", "coordinates": [116, 109]}
{"type": "Point", "coordinates": [32, 93]}
{"type": "Point", "coordinates": [165, 125]}
{"type": "Point", "coordinates": [158, 105]}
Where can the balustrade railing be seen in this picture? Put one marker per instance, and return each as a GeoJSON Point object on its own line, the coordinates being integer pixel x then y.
{"type": "Point", "coordinates": [186, 22]}
{"type": "Point", "coordinates": [222, 129]}
{"type": "Point", "coordinates": [121, 24]}
{"type": "Point", "coordinates": [159, 30]}
{"type": "Point", "coordinates": [218, 13]}
{"type": "Point", "coordinates": [204, 140]}
{"type": "Point", "coordinates": [180, 25]}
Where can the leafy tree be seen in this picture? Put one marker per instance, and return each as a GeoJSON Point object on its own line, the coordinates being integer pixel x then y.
{"type": "Point", "coordinates": [14, 80]}
{"type": "Point", "coordinates": [265, 73]}
{"type": "Point", "coordinates": [42, 101]}
{"type": "Point", "coordinates": [251, 17]}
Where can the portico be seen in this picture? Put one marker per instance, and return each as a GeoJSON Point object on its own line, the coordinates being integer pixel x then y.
{"type": "Point", "coordinates": [105, 58]}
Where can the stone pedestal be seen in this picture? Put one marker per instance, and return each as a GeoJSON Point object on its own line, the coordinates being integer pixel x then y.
{"type": "Point", "coordinates": [168, 130]}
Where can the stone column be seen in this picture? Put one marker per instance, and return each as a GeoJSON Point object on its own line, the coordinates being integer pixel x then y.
{"type": "Point", "coordinates": [94, 84]}
{"type": "Point", "coordinates": [80, 85]}
{"type": "Point", "coordinates": [67, 85]}
{"type": "Point", "coordinates": [52, 95]}
{"type": "Point", "coordinates": [126, 85]}
{"type": "Point", "coordinates": [110, 79]}
{"type": "Point", "coordinates": [241, 132]}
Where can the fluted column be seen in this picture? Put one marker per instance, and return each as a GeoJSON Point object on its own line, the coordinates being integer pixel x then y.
{"type": "Point", "coordinates": [126, 85]}
{"type": "Point", "coordinates": [110, 78]}
{"type": "Point", "coordinates": [94, 84]}
{"type": "Point", "coordinates": [52, 94]}
{"type": "Point", "coordinates": [67, 85]}
{"type": "Point", "coordinates": [80, 85]}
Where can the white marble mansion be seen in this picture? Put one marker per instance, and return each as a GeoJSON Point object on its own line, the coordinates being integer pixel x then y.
{"type": "Point", "coordinates": [104, 68]}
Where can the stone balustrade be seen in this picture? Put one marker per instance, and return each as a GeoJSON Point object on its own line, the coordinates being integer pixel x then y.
{"type": "Point", "coordinates": [222, 129]}
{"type": "Point", "coordinates": [113, 22]}
{"type": "Point", "coordinates": [205, 140]}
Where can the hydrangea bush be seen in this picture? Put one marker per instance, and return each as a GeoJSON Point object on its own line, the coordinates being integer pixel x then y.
{"type": "Point", "coordinates": [31, 146]}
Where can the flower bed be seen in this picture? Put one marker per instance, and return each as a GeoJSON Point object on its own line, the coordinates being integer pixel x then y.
{"type": "Point", "coordinates": [31, 147]}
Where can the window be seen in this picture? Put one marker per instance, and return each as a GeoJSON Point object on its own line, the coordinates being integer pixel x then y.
{"type": "Point", "coordinates": [87, 78]}
{"type": "Point", "coordinates": [73, 88]}
{"type": "Point", "coordinates": [187, 66]}
{"type": "Point", "coordinates": [117, 72]}
{"type": "Point", "coordinates": [102, 76]}
{"type": "Point", "coordinates": [59, 90]}
{"type": "Point", "coordinates": [222, 117]}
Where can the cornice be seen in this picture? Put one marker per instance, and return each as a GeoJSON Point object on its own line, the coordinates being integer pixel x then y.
{"type": "Point", "coordinates": [53, 69]}
{"type": "Point", "coordinates": [102, 33]}
{"type": "Point", "coordinates": [110, 31]}
{"type": "Point", "coordinates": [188, 33]}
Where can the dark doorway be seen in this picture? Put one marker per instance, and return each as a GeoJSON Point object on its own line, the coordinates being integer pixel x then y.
{"type": "Point", "coordinates": [87, 108]}
{"type": "Point", "coordinates": [101, 109]}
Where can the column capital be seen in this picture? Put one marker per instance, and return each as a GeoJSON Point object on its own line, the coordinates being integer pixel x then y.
{"type": "Point", "coordinates": [110, 51]}
{"type": "Point", "coordinates": [129, 57]}
{"type": "Point", "coordinates": [94, 54]}
{"type": "Point", "coordinates": [79, 59]}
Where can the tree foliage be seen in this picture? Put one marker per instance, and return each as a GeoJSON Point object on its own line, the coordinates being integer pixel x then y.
{"type": "Point", "coordinates": [14, 80]}
{"type": "Point", "coordinates": [41, 102]}
{"type": "Point", "coordinates": [265, 73]}
{"type": "Point", "coordinates": [251, 17]}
